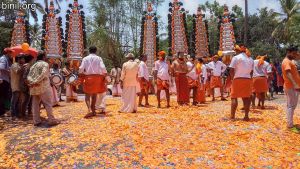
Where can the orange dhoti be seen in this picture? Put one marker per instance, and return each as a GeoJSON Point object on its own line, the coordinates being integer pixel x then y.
{"type": "Point", "coordinates": [183, 95]}
{"type": "Point", "coordinates": [192, 83]}
{"type": "Point", "coordinates": [144, 85]}
{"type": "Point", "coordinates": [94, 84]}
{"type": "Point", "coordinates": [260, 85]}
{"type": "Point", "coordinates": [162, 84]}
{"type": "Point", "coordinates": [241, 88]}
{"type": "Point", "coordinates": [215, 82]}
{"type": "Point", "coordinates": [201, 93]}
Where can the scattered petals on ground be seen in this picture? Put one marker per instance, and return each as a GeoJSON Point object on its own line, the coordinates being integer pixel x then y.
{"type": "Point", "coordinates": [178, 137]}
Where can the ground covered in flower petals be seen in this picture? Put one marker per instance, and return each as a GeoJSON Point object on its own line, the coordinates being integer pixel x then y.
{"type": "Point", "coordinates": [178, 137]}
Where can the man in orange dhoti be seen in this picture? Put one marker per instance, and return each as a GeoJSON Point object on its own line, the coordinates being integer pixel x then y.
{"type": "Point", "coordinates": [94, 73]}
{"type": "Point", "coordinates": [162, 77]}
{"type": "Point", "coordinates": [261, 70]}
{"type": "Point", "coordinates": [180, 69]}
{"type": "Point", "coordinates": [193, 79]}
{"type": "Point", "coordinates": [241, 70]}
{"type": "Point", "coordinates": [217, 69]}
{"type": "Point", "coordinates": [143, 75]}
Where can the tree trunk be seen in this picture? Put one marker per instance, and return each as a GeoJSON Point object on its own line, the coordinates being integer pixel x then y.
{"type": "Point", "coordinates": [246, 23]}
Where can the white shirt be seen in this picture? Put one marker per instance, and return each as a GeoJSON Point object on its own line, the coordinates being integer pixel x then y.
{"type": "Point", "coordinates": [204, 73]}
{"type": "Point", "coordinates": [143, 71]}
{"type": "Point", "coordinates": [261, 70]}
{"type": "Point", "coordinates": [242, 65]}
{"type": "Point", "coordinates": [192, 74]}
{"type": "Point", "coordinates": [162, 69]}
{"type": "Point", "coordinates": [92, 64]}
{"type": "Point", "coordinates": [217, 67]}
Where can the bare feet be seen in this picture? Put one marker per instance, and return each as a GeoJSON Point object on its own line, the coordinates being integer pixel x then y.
{"type": "Point", "coordinates": [53, 123]}
{"type": "Point", "coordinates": [246, 119]}
{"type": "Point", "coordinates": [89, 115]}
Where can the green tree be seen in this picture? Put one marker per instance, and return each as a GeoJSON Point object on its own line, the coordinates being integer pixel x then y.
{"type": "Point", "coordinates": [5, 34]}
{"type": "Point", "coordinates": [291, 10]}
{"type": "Point", "coordinates": [34, 13]}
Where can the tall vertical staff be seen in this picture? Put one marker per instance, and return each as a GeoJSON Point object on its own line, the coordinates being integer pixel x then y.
{"type": "Point", "coordinates": [75, 35]}
{"type": "Point", "coordinates": [52, 34]}
{"type": "Point", "coordinates": [200, 38]}
{"type": "Point", "coordinates": [178, 38]}
{"type": "Point", "coordinates": [227, 38]}
{"type": "Point", "coordinates": [149, 38]}
{"type": "Point", "coordinates": [20, 32]}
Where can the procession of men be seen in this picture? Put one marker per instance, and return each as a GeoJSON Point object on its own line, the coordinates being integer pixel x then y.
{"type": "Point", "coordinates": [31, 84]}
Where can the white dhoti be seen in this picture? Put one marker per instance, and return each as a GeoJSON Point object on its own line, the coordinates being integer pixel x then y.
{"type": "Point", "coordinates": [100, 103]}
{"type": "Point", "coordinates": [70, 94]}
{"type": "Point", "coordinates": [129, 104]}
{"type": "Point", "coordinates": [173, 87]}
{"type": "Point", "coordinates": [116, 90]}
{"type": "Point", "coordinates": [55, 97]}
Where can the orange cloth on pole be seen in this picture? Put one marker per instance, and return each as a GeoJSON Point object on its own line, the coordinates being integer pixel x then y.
{"type": "Point", "coordinates": [162, 84]}
{"type": "Point", "coordinates": [241, 88]}
{"type": "Point", "coordinates": [260, 85]}
{"type": "Point", "coordinates": [201, 94]}
{"type": "Point", "coordinates": [215, 82]}
{"type": "Point", "coordinates": [182, 88]}
{"type": "Point", "coordinates": [93, 84]}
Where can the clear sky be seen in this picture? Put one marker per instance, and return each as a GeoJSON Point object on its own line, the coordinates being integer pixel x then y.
{"type": "Point", "coordinates": [190, 5]}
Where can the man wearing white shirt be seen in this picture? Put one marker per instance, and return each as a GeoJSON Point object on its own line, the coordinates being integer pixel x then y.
{"type": "Point", "coordinates": [217, 69]}
{"type": "Point", "coordinates": [162, 77]}
{"type": "Point", "coordinates": [241, 70]}
{"type": "Point", "coordinates": [143, 75]}
{"type": "Point", "coordinates": [193, 79]}
{"type": "Point", "coordinates": [261, 71]}
{"type": "Point", "coordinates": [94, 72]}
{"type": "Point", "coordinates": [129, 84]}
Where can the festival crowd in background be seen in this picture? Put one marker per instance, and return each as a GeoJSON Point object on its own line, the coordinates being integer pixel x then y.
{"type": "Point", "coordinates": [28, 83]}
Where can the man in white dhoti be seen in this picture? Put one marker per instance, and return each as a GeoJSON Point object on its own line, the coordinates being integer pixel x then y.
{"type": "Point", "coordinates": [71, 94]}
{"type": "Point", "coordinates": [115, 74]}
{"type": "Point", "coordinates": [55, 88]}
{"type": "Point", "coordinates": [128, 85]}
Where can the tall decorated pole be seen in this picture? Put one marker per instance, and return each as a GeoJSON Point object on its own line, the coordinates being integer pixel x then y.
{"type": "Point", "coordinates": [200, 38]}
{"type": "Point", "coordinates": [52, 34]}
{"type": "Point", "coordinates": [149, 38]}
{"type": "Point", "coordinates": [177, 28]}
{"type": "Point", "coordinates": [227, 38]}
{"type": "Point", "coordinates": [75, 35]}
{"type": "Point", "coordinates": [20, 32]}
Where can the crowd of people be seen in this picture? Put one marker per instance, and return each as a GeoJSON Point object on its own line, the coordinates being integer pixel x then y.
{"type": "Point", "coordinates": [26, 85]}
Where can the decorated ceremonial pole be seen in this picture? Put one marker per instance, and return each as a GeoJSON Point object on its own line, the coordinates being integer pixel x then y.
{"type": "Point", "coordinates": [200, 35]}
{"type": "Point", "coordinates": [227, 38]}
{"type": "Point", "coordinates": [177, 28]}
{"type": "Point", "coordinates": [52, 35]}
{"type": "Point", "coordinates": [149, 38]}
{"type": "Point", "coordinates": [75, 35]}
{"type": "Point", "coordinates": [20, 32]}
